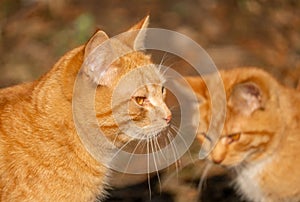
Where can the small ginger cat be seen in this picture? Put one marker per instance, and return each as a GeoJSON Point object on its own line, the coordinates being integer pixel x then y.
{"type": "Point", "coordinates": [41, 155]}
{"type": "Point", "coordinates": [261, 135]}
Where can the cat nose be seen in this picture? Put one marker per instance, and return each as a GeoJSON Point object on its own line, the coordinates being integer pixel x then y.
{"type": "Point", "coordinates": [217, 160]}
{"type": "Point", "coordinates": [217, 157]}
{"type": "Point", "coordinates": [168, 118]}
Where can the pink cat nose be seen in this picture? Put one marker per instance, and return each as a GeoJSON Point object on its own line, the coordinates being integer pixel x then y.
{"type": "Point", "coordinates": [217, 161]}
{"type": "Point", "coordinates": [168, 119]}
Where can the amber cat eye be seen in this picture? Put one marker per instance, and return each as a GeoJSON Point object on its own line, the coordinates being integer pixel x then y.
{"type": "Point", "coordinates": [235, 136]}
{"type": "Point", "coordinates": [140, 100]}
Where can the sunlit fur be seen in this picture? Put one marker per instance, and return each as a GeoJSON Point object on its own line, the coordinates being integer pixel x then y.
{"type": "Point", "coordinates": [41, 156]}
{"type": "Point", "coordinates": [150, 117]}
{"type": "Point", "coordinates": [266, 155]}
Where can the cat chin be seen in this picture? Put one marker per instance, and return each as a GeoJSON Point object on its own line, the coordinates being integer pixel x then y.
{"type": "Point", "coordinates": [151, 135]}
{"type": "Point", "coordinates": [123, 138]}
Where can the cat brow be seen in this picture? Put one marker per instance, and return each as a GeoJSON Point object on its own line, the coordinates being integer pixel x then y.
{"type": "Point", "coordinates": [206, 136]}
{"type": "Point", "coordinates": [263, 132]}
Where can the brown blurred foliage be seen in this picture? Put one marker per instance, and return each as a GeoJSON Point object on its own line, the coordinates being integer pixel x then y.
{"type": "Point", "coordinates": [35, 33]}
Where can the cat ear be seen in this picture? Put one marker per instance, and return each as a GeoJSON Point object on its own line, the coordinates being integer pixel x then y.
{"type": "Point", "coordinates": [97, 39]}
{"type": "Point", "coordinates": [246, 98]}
{"type": "Point", "coordinates": [135, 36]}
{"type": "Point", "coordinates": [96, 60]}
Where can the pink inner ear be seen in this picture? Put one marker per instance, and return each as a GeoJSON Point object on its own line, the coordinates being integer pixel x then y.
{"type": "Point", "coordinates": [246, 98]}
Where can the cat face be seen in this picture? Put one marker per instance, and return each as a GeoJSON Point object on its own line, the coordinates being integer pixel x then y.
{"type": "Point", "coordinates": [147, 106]}
{"type": "Point", "coordinates": [138, 101]}
{"type": "Point", "coordinates": [252, 127]}
{"type": "Point", "coordinates": [130, 93]}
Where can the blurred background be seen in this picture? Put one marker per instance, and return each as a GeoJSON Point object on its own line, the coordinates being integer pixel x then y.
{"type": "Point", "coordinates": [34, 34]}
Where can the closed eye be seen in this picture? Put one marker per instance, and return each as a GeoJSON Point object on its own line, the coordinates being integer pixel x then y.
{"type": "Point", "coordinates": [206, 136]}
{"type": "Point", "coordinates": [163, 90]}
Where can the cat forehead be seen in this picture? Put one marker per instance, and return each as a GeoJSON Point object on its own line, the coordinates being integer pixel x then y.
{"type": "Point", "coordinates": [133, 60]}
{"type": "Point", "coordinates": [140, 67]}
{"type": "Point", "coordinates": [141, 80]}
{"type": "Point", "coordinates": [149, 89]}
{"type": "Point", "coordinates": [151, 75]}
{"type": "Point", "coordinates": [147, 78]}
{"type": "Point", "coordinates": [138, 60]}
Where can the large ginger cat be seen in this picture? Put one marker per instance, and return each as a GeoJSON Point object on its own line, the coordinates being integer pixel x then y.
{"type": "Point", "coordinates": [261, 135]}
{"type": "Point", "coordinates": [41, 155]}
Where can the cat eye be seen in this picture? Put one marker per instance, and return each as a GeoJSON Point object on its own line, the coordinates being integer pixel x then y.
{"type": "Point", "coordinates": [140, 100]}
{"type": "Point", "coordinates": [162, 90]}
{"type": "Point", "coordinates": [235, 136]}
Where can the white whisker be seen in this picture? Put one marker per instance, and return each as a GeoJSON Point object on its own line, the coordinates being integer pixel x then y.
{"type": "Point", "coordinates": [204, 176]}
{"type": "Point", "coordinates": [148, 170]}
{"type": "Point", "coordinates": [169, 66]}
{"type": "Point", "coordinates": [176, 151]}
{"type": "Point", "coordinates": [123, 146]}
{"type": "Point", "coordinates": [161, 61]}
{"type": "Point", "coordinates": [115, 139]}
{"type": "Point", "coordinates": [155, 164]}
{"type": "Point", "coordinates": [182, 138]}
{"type": "Point", "coordinates": [160, 150]}
{"type": "Point", "coordinates": [174, 154]}
{"type": "Point", "coordinates": [139, 142]}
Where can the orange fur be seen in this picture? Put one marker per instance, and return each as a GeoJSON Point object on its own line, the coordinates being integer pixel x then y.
{"type": "Point", "coordinates": [42, 159]}
{"type": "Point", "coordinates": [41, 155]}
{"type": "Point", "coordinates": [260, 139]}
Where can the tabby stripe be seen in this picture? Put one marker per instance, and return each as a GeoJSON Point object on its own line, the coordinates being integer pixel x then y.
{"type": "Point", "coordinates": [107, 113]}
{"type": "Point", "coordinates": [100, 115]}
{"type": "Point", "coordinates": [258, 132]}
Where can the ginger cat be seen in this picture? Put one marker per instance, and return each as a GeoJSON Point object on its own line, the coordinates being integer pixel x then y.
{"type": "Point", "coordinates": [261, 135]}
{"type": "Point", "coordinates": [41, 155]}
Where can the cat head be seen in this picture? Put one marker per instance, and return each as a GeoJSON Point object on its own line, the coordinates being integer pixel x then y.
{"type": "Point", "coordinates": [253, 124]}
{"type": "Point", "coordinates": [130, 93]}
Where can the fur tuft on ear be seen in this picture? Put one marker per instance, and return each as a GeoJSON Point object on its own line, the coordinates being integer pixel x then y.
{"type": "Point", "coordinates": [246, 98]}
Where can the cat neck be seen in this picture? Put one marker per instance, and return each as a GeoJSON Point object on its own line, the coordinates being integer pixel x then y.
{"type": "Point", "coordinates": [50, 105]}
{"type": "Point", "coordinates": [247, 181]}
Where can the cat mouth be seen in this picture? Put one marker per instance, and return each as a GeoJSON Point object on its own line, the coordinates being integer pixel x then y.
{"type": "Point", "coordinates": [156, 133]}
